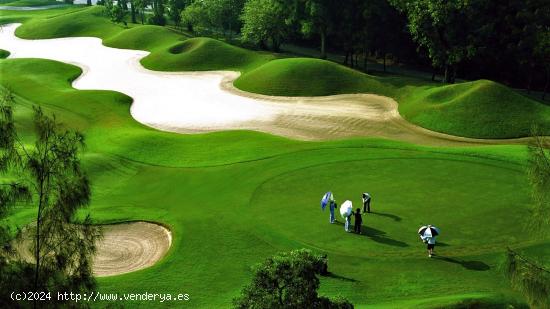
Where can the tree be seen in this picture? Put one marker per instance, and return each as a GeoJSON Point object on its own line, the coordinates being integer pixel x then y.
{"type": "Point", "coordinates": [158, 13]}
{"type": "Point", "coordinates": [209, 15]}
{"type": "Point", "coordinates": [526, 274]}
{"type": "Point", "coordinates": [443, 29]}
{"type": "Point", "coordinates": [50, 173]}
{"type": "Point", "coordinates": [318, 20]}
{"type": "Point", "coordinates": [542, 52]}
{"type": "Point", "coordinates": [140, 8]}
{"type": "Point", "coordinates": [11, 192]}
{"type": "Point", "coordinates": [118, 14]}
{"type": "Point", "coordinates": [175, 7]}
{"type": "Point", "coordinates": [288, 280]}
{"type": "Point", "coordinates": [265, 20]}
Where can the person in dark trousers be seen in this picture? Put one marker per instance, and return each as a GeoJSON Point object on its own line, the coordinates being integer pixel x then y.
{"type": "Point", "coordinates": [366, 202]}
{"type": "Point", "coordinates": [358, 221]}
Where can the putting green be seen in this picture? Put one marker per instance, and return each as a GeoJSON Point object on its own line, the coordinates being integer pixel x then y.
{"type": "Point", "coordinates": [456, 194]}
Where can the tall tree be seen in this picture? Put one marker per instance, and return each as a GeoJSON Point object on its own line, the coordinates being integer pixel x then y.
{"type": "Point", "coordinates": [158, 17]}
{"type": "Point", "coordinates": [443, 29]}
{"type": "Point", "coordinates": [318, 20]}
{"type": "Point", "coordinates": [288, 280]}
{"type": "Point", "coordinates": [267, 20]}
{"type": "Point", "coordinates": [175, 7]}
{"type": "Point", "coordinates": [50, 173]}
{"type": "Point", "coordinates": [526, 274]}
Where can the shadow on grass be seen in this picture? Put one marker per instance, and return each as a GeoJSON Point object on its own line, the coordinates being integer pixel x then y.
{"type": "Point", "coordinates": [376, 235]}
{"type": "Point", "coordinates": [393, 217]}
{"type": "Point", "coordinates": [380, 237]}
{"type": "Point", "coordinates": [335, 276]}
{"type": "Point", "coordinates": [470, 265]}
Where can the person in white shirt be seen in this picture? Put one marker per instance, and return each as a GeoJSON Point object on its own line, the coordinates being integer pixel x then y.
{"type": "Point", "coordinates": [430, 240]}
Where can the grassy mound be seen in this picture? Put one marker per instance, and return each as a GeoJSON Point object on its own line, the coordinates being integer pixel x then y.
{"type": "Point", "coordinates": [476, 109]}
{"type": "Point", "coordinates": [4, 54]}
{"type": "Point", "coordinates": [203, 54]}
{"type": "Point", "coordinates": [304, 77]}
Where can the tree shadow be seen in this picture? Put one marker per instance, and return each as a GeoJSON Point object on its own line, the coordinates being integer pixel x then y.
{"type": "Point", "coordinates": [380, 237]}
{"type": "Point", "coordinates": [335, 276]}
{"type": "Point", "coordinates": [391, 216]}
{"type": "Point", "coordinates": [470, 265]}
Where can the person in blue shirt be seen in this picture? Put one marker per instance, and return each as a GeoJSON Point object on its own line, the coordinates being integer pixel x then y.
{"type": "Point", "coordinates": [332, 207]}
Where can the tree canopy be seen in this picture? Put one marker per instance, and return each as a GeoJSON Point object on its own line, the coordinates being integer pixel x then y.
{"type": "Point", "coordinates": [288, 280]}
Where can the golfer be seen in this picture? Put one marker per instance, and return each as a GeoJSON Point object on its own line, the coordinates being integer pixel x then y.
{"type": "Point", "coordinates": [332, 206]}
{"type": "Point", "coordinates": [430, 241]}
{"type": "Point", "coordinates": [366, 202]}
{"type": "Point", "coordinates": [348, 223]}
{"type": "Point", "coordinates": [358, 221]}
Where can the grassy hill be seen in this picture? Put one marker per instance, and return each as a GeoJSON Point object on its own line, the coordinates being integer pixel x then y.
{"type": "Point", "coordinates": [4, 54]}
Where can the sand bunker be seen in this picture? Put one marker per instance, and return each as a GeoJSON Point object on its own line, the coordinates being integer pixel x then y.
{"type": "Point", "coordinates": [128, 247]}
{"type": "Point", "coordinates": [194, 102]}
{"type": "Point", "coordinates": [125, 247]}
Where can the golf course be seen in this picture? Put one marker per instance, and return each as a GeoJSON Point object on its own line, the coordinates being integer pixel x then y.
{"type": "Point", "coordinates": [206, 158]}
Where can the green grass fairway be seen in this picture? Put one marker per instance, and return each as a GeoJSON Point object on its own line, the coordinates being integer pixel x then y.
{"type": "Point", "coordinates": [480, 109]}
{"type": "Point", "coordinates": [226, 215]}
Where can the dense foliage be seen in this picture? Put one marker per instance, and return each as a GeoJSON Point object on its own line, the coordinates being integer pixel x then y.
{"type": "Point", "coordinates": [470, 39]}
{"type": "Point", "coordinates": [288, 280]}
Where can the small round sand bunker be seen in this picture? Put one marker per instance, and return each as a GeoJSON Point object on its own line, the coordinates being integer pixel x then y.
{"type": "Point", "coordinates": [131, 246]}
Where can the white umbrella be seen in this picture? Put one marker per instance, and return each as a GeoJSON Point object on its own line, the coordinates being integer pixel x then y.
{"type": "Point", "coordinates": [428, 231]}
{"type": "Point", "coordinates": [346, 209]}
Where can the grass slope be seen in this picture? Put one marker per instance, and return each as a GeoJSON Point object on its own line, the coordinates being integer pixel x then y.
{"type": "Point", "coordinates": [480, 109]}
{"type": "Point", "coordinates": [208, 190]}
{"type": "Point", "coordinates": [29, 2]}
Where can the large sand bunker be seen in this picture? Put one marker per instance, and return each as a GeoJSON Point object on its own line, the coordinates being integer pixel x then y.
{"type": "Point", "coordinates": [125, 247]}
{"type": "Point", "coordinates": [193, 102]}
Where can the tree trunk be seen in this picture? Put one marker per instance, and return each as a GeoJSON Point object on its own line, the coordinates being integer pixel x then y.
{"type": "Point", "coordinates": [384, 62]}
{"type": "Point", "coordinates": [365, 61]}
{"type": "Point", "coordinates": [323, 42]}
{"type": "Point", "coordinates": [433, 74]}
{"type": "Point", "coordinates": [89, 2]}
{"type": "Point", "coordinates": [448, 72]}
{"type": "Point", "coordinates": [133, 12]}
{"type": "Point", "coordinates": [545, 90]}
{"type": "Point", "coordinates": [530, 78]}
{"type": "Point", "coordinates": [346, 58]}
{"type": "Point", "coordinates": [142, 13]}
